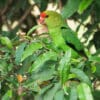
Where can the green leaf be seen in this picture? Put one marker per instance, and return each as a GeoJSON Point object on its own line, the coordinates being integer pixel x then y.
{"type": "Point", "coordinates": [7, 95]}
{"type": "Point", "coordinates": [46, 74]}
{"type": "Point", "coordinates": [73, 94]}
{"type": "Point", "coordinates": [84, 5]}
{"type": "Point", "coordinates": [97, 72]}
{"type": "Point", "coordinates": [19, 52]}
{"type": "Point", "coordinates": [84, 92]}
{"type": "Point", "coordinates": [30, 49]}
{"type": "Point", "coordinates": [32, 29]}
{"type": "Point", "coordinates": [64, 66]}
{"type": "Point", "coordinates": [42, 92]}
{"type": "Point", "coordinates": [45, 89]}
{"type": "Point", "coordinates": [50, 55]}
{"type": "Point", "coordinates": [94, 58]}
{"type": "Point", "coordinates": [10, 67]}
{"type": "Point", "coordinates": [49, 95]}
{"type": "Point", "coordinates": [6, 41]}
{"type": "Point", "coordinates": [96, 94]}
{"type": "Point", "coordinates": [93, 68]}
{"type": "Point", "coordinates": [70, 8]}
{"type": "Point", "coordinates": [3, 67]}
{"type": "Point", "coordinates": [81, 75]}
{"type": "Point", "coordinates": [59, 95]}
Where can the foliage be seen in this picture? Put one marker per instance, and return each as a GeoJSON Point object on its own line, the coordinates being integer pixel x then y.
{"type": "Point", "coordinates": [30, 65]}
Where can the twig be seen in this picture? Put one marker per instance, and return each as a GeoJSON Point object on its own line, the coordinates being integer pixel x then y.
{"type": "Point", "coordinates": [27, 12]}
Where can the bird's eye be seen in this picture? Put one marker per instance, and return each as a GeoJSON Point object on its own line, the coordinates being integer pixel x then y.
{"type": "Point", "coordinates": [63, 27]}
{"type": "Point", "coordinates": [47, 16]}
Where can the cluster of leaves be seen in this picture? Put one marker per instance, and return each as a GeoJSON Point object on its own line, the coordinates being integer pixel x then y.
{"type": "Point", "coordinates": [31, 66]}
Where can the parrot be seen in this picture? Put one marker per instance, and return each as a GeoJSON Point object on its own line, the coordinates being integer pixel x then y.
{"type": "Point", "coordinates": [59, 31]}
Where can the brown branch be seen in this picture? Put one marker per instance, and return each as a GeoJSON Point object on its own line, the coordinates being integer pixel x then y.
{"type": "Point", "coordinates": [60, 4]}
{"type": "Point", "coordinates": [27, 12]}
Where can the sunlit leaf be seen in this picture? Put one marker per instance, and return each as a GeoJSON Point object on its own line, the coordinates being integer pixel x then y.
{"type": "Point", "coordinates": [84, 92]}
{"type": "Point", "coordinates": [7, 95]}
{"type": "Point", "coordinates": [84, 5]}
{"type": "Point", "coordinates": [6, 41]}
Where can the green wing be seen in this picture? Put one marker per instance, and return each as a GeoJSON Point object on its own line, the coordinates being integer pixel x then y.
{"type": "Point", "coordinates": [58, 40]}
{"type": "Point", "coordinates": [70, 37]}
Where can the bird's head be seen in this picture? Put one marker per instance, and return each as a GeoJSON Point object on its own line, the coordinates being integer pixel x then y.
{"type": "Point", "coordinates": [51, 18]}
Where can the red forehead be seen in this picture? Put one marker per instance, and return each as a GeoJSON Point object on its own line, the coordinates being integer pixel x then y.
{"type": "Point", "coordinates": [43, 14]}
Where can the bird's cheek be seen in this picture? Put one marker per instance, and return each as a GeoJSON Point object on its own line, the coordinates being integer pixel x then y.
{"type": "Point", "coordinates": [41, 20]}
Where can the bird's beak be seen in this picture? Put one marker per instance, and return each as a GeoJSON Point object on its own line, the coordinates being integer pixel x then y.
{"type": "Point", "coordinates": [41, 20]}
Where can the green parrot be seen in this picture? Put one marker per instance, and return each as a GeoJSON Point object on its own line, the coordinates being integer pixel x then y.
{"type": "Point", "coordinates": [60, 32]}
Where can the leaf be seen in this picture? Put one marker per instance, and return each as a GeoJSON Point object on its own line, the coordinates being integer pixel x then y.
{"type": "Point", "coordinates": [42, 92]}
{"type": "Point", "coordinates": [7, 95]}
{"type": "Point", "coordinates": [84, 92]}
{"type": "Point", "coordinates": [94, 58]}
{"type": "Point", "coordinates": [32, 29]}
{"type": "Point", "coordinates": [50, 55]}
{"type": "Point", "coordinates": [96, 94]}
{"type": "Point", "coordinates": [19, 52]}
{"type": "Point", "coordinates": [30, 49]}
{"type": "Point", "coordinates": [6, 41]}
{"type": "Point", "coordinates": [49, 95]}
{"type": "Point", "coordinates": [81, 75]}
{"type": "Point", "coordinates": [46, 74]}
{"type": "Point", "coordinates": [93, 68]}
{"type": "Point", "coordinates": [97, 72]}
{"type": "Point", "coordinates": [70, 8]}
{"type": "Point", "coordinates": [46, 88]}
{"type": "Point", "coordinates": [59, 95]}
{"type": "Point", "coordinates": [73, 94]}
{"type": "Point", "coordinates": [10, 67]}
{"type": "Point", "coordinates": [84, 5]}
{"type": "Point", "coordinates": [64, 66]}
{"type": "Point", "coordinates": [3, 67]}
